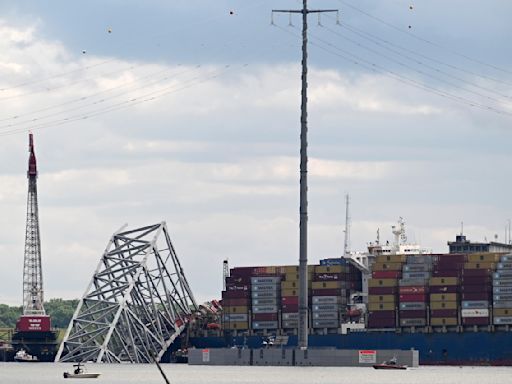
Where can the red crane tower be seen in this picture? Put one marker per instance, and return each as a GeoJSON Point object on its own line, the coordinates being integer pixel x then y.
{"type": "Point", "coordinates": [33, 328]}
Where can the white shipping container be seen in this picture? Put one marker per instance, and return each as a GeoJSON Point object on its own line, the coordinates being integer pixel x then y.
{"type": "Point", "coordinates": [503, 320]}
{"type": "Point", "coordinates": [235, 317]}
{"type": "Point", "coordinates": [266, 287]}
{"type": "Point", "coordinates": [325, 315]}
{"type": "Point", "coordinates": [265, 294]}
{"type": "Point", "coordinates": [325, 308]}
{"type": "Point", "coordinates": [326, 324]}
{"type": "Point", "coordinates": [325, 299]}
{"type": "Point", "coordinates": [267, 301]}
{"type": "Point", "coordinates": [475, 313]}
{"type": "Point", "coordinates": [290, 324]}
{"type": "Point", "coordinates": [290, 316]}
{"type": "Point", "coordinates": [271, 280]}
{"type": "Point", "coordinates": [264, 325]}
{"type": "Point", "coordinates": [264, 308]}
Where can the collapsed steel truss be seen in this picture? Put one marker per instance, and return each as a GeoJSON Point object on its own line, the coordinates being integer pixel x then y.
{"type": "Point", "coordinates": [136, 304]}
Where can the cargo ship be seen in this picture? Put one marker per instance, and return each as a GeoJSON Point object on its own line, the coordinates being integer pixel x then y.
{"type": "Point", "coordinates": [454, 308]}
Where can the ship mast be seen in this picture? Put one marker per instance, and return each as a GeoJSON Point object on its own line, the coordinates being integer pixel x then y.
{"type": "Point", "coordinates": [346, 244]}
{"type": "Point", "coordinates": [32, 269]}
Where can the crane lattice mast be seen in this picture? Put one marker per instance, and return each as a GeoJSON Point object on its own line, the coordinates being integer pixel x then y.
{"type": "Point", "coordinates": [32, 268]}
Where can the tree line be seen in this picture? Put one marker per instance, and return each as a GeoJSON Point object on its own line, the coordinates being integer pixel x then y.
{"type": "Point", "coordinates": [60, 310]}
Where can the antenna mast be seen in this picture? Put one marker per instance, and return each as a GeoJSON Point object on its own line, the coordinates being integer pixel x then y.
{"type": "Point", "coordinates": [32, 269]}
{"type": "Point", "coordinates": [346, 245]}
{"type": "Point", "coordinates": [303, 226]}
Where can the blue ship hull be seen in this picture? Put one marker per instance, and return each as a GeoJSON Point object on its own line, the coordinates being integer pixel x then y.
{"type": "Point", "coordinates": [468, 348]}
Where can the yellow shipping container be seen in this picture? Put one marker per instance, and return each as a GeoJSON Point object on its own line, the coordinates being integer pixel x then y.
{"type": "Point", "coordinates": [502, 311]}
{"type": "Point", "coordinates": [291, 269]}
{"type": "Point", "coordinates": [236, 325]}
{"type": "Point", "coordinates": [326, 284]}
{"type": "Point", "coordinates": [480, 265]}
{"type": "Point", "coordinates": [443, 281]}
{"type": "Point", "coordinates": [443, 305]}
{"type": "Point", "coordinates": [290, 292]}
{"type": "Point", "coordinates": [381, 306]}
{"type": "Point", "coordinates": [485, 257]}
{"type": "Point", "coordinates": [289, 285]}
{"type": "Point", "coordinates": [291, 277]}
{"type": "Point", "coordinates": [330, 269]}
{"type": "Point", "coordinates": [381, 298]}
{"type": "Point", "coordinates": [382, 282]}
{"type": "Point", "coordinates": [236, 309]}
{"type": "Point", "coordinates": [391, 258]}
{"type": "Point", "coordinates": [443, 321]}
{"type": "Point", "coordinates": [387, 267]}
{"type": "Point", "coordinates": [443, 297]}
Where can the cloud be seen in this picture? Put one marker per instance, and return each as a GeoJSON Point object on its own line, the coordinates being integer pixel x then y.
{"type": "Point", "coordinates": [218, 159]}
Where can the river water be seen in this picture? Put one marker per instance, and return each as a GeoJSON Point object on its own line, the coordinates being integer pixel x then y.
{"type": "Point", "coordinates": [46, 373]}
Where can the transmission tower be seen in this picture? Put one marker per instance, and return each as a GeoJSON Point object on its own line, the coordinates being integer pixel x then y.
{"type": "Point", "coordinates": [32, 270]}
{"type": "Point", "coordinates": [303, 226]}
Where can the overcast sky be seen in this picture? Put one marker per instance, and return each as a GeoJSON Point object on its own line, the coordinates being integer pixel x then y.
{"type": "Point", "coordinates": [188, 111]}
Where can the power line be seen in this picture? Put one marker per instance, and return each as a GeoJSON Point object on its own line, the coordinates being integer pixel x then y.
{"type": "Point", "coordinates": [426, 73]}
{"type": "Point", "coordinates": [404, 79]}
{"type": "Point", "coordinates": [375, 39]}
{"type": "Point", "coordinates": [121, 105]}
{"type": "Point", "coordinates": [419, 38]}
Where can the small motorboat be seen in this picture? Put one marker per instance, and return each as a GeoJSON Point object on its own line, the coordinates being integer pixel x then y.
{"type": "Point", "coordinates": [23, 357]}
{"type": "Point", "coordinates": [80, 373]}
{"type": "Point", "coordinates": [390, 364]}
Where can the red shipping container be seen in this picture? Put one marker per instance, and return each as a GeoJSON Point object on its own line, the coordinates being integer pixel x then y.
{"type": "Point", "coordinates": [235, 294]}
{"type": "Point", "coordinates": [477, 272]}
{"type": "Point", "coordinates": [413, 298]}
{"type": "Point", "coordinates": [421, 314]}
{"type": "Point", "coordinates": [328, 277]}
{"type": "Point", "coordinates": [240, 280]}
{"type": "Point", "coordinates": [382, 290]}
{"type": "Point", "coordinates": [476, 296]}
{"type": "Point", "coordinates": [386, 274]}
{"type": "Point", "coordinates": [443, 312]}
{"type": "Point", "coordinates": [444, 289]}
{"type": "Point", "coordinates": [382, 315]}
{"type": "Point", "coordinates": [326, 292]}
{"type": "Point", "coordinates": [471, 288]}
{"type": "Point", "coordinates": [33, 323]}
{"type": "Point", "coordinates": [290, 299]}
{"type": "Point", "coordinates": [475, 321]}
{"type": "Point", "coordinates": [445, 273]}
{"type": "Point", "coordinates": [264, 317]}
{"type": "Point", "coordinates": [288, 308]}
{"type": "Point", "coordinates": [236, 302]}
{"type": "Point", "coordinates": [381, 323]}
{"type": "Point", "coordinates": [479, 280]}
{"type": "Point", "coordinates": [413, 290]}
{"type": "Point", "coordinates": [451, 257]}
{"type": "Point", "coordinates": [241, 271]}
{"type": "Point", "coordinates": [237, 287]}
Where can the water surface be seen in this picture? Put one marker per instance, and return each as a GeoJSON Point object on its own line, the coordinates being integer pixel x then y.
{"type": "Point", "coordinates": [46, 373]}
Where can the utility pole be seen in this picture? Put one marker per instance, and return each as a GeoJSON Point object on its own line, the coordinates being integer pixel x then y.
{"type": "Point", "coordinates": [303, 226]}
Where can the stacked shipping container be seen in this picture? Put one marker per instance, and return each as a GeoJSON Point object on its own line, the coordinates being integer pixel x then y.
{"type": "Point", "coordinates": [413, 290]}
{"type": "Point", "coordinates": [444, 300]}
{"type": "Point", "coordinates": [328, 288]}
{"type": "Point", "coordinates": [502, 291]}
{"type": "Point", "coordinates": [267, 298]}
{"type": "Point", "coordinates": [476, 288]}
{"type": "Point", "coordinates": [383, 291]}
